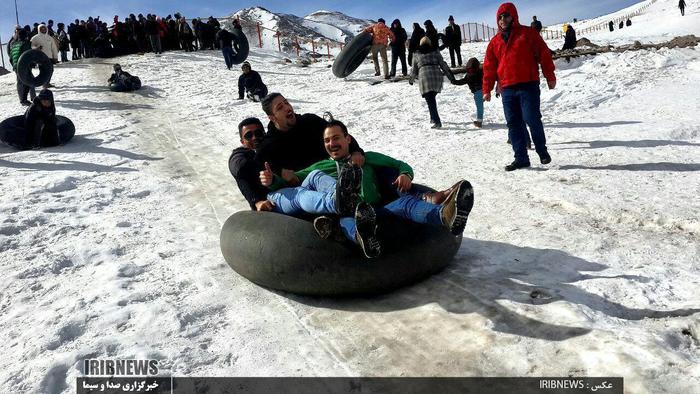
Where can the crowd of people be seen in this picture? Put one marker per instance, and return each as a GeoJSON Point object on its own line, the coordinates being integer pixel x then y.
{"type": "Point", "coordinates": [135, 34]}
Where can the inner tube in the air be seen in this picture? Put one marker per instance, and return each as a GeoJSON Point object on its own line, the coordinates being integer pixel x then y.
{"type": "Point", "coordinates": [240, 46]}
{"type": "Point", "coordinates": [13, 133]}
{"type": "Point", "coordinates": [285, 253]}
{"type": "Point", "coordinates": [352, 55]}
{"type": "Point", "coordinates": [27, 61]}
{"type": "Point", "coordinates": [442, 38]}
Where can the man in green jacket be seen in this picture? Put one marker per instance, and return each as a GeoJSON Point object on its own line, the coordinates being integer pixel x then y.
{"type": "Point", "coordinates": [18, 47]}
{"type": "Point", "coordinates": [318, 191]}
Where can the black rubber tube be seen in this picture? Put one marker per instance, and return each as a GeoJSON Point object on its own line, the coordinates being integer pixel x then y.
{"type": "Point", "coordinates": [27, 61]}
{"type": "Point", "coordinates": [354, 53]}
{"type": "Point", "coordinates": [118, 87]}
{"type": "Point", "coordinates": [285, 253]}
{"type": "Point", "coordinates": [13, 133]}
{"type": "Point", "coordinates": [240, 46]}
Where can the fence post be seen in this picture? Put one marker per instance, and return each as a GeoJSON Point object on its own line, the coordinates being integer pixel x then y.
{"type": "Point", "coordinates": [296, 39]}
{"type": "Point", "coordinates": [328, 47]}
{"type": "Point", "coordinates": [464, 37]}
{"type": "Point", "coordinates": [279, 43]}
{"type": "Point", "coordinates": [483, 30]}
{"type": "Point", "coordinates": [2, 54]}
{"type": "Point", "coordinates": [469, 31]}
{"type": "Point", "coordinates": [259, 34]}
{"type": "Point", "coordinates": [313, 47]}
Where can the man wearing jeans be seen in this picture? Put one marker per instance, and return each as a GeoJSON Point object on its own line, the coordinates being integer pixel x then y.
{"type": "Point", "coordinates": [319, 193]}
{"type": "Point", "coordinates": [513, 58]}
{"type": "Point", "coordinates": [381, 35]}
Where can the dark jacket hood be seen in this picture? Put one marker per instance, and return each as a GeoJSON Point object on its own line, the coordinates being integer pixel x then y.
{"type": "Point", "coordinates": [509, 8]}
{"type": "Point", "coordinates": [473, 63]}
{"type": "Point", "coordinates": [397, 23]}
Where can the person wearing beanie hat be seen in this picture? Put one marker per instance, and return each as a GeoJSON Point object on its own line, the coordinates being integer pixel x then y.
{"type": "Point", "coordinates": [453, 36]}
{"type": "Point", "coordinates": [381, 36]}
{"type": "Point", "coordinates": [251, 82]}
{"type": "Point", "coordinates": [40, 121]}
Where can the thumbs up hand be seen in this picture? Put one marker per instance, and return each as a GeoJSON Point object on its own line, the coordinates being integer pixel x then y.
{"type": "Point", "coordinates": [266, 175]}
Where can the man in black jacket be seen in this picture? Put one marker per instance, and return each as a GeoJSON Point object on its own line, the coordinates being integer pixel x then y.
{"type": "Point", "coordinates": [453, 36]}
{"type": "Point", "coordinates": [245, 168]}
{"type": "Point", "coordinates": [225, 39]}
{"type": "Point", "coordinates": [537, 25]}
{"type": "Point", "coordinates": [251, 83]}
{"type": "Point", "coordinates": [570, 38]}
{"type": "Point", "coordinates": [398, 47]}
{"type": "Point", "coordinates": [40, 121]}
{"type": "Point", "coordinates": [294, 142]}
{"type": "Point", "coordinates": [413, 43]}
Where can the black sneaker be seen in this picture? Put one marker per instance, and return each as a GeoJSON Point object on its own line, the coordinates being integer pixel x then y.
{"type": "Point", "coordinates": [366, 234]}
{"type": "Point", "coordinates": [515, 165]}
{"type": "Point", "coordinates": [457, 208]}
{"type": "Point", "coordinates": [324, 226]}
{"type": "Point", "coordinates": [545, 158]}
{"type": "Point", "coordinates": [347, 190]}
{"type": "Point", "coordinates": [25, 103]}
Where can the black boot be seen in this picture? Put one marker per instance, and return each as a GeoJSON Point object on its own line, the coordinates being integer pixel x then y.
{"type": "Point", "coordinates": [366, 235]}
{"type": "Point", "coordinates": [347, 190]}
{"type": "Point", "coordinates": [515, 165]}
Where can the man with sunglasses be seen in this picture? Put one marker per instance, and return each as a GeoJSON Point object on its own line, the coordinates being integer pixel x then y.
{"type": "Point", "coordinates": [513, 58]}
{"type": "Point", "coordinates": [244, 167]}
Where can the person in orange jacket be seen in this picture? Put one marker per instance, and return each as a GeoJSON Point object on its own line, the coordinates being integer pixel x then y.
{"type": "Point", "coordinates": [381, 35]}
{"type": "Point", "coordinates": [513, 58]}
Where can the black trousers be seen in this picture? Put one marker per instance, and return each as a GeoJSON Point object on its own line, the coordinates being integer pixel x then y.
{"type": "Point", "coordinates": [453, 49]}
{"type": "Point", "coordinates": [432, 107]}
{"type": "Point", "coordinates": [398, 53]}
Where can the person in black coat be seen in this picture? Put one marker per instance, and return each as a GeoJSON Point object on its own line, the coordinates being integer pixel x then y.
{"type": "Point", "coordinates": [245, 169]}
{"type": "Point", "coordinates": [535, 24]}
{"type": "Point", "coordinates": [570, 38]}
{"type": "Point", "coordinates": [432, 35]}
{"type": "Point", "coordinates": [398, 47]}
{"type": "Point", "coordinates": [621, 25]}
{"type": "Point", "coordinates": [681, 5]}
{"type": "Point", "coordinates": [453, 36]}
{"type": "Point", "coordinates": [628, 23]}
{"type": "Point", "coordinates": [611, 26]}
{"type": "Point", "coordinates": [225, 39]}
{"type": "Point", "coordinates": [122, 81]}
{"type": "Point", "coordinates": [251, 83]}
{"type": "Point", "coordinates": [294, 142]}
{"type": "Point", "coordinates": [413, 43]}
{"type": "Point", "coordinates": [40, 121]}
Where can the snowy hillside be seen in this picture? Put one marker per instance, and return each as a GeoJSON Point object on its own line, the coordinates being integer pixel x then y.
{"type": "Point", "coordinates": [333, 26]}
{"type": "Point", "coordinates": [589, 266]}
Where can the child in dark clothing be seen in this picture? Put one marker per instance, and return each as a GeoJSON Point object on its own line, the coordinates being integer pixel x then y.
{"type": "Point", "coordinates": [474, 79]}
{"type": "Point", "coordinates": [40, 121]}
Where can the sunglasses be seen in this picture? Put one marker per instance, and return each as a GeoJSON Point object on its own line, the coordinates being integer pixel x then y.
{"type": "Point", "coordinates": [257, 133]}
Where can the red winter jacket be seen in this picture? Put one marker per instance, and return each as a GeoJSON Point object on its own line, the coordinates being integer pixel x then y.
{"type": "Point", "coordinates": [516, 61]}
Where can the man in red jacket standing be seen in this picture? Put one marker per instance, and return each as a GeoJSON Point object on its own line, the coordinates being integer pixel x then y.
{"type": "Point", "coordinates": [512, 59]}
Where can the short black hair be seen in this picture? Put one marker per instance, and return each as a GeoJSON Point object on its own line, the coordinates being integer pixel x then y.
{"type": "Point", "coordinates": [267, 102]}
{"type": "Point", "coordinates": [338, 123]}
{"type": "Point", "coordinates": [246, 122]}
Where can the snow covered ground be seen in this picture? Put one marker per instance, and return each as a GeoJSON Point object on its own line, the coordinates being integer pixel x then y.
{"type": "Point", "coordinates": [586, 267]}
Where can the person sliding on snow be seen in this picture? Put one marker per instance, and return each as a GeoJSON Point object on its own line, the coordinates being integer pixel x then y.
{"type": "Point", "coordinates": [122, 81]}
{"type": "Point", "coordinates": [251, 83]}
{"type": "Point", "coordinates": [244, 167]}
{"type": "Point", "coordinates": [513, 58]}
{"type": "Point", "coordinates": [335, 186]}
{"type": "Point", "coordinates": [40, 121]}
{"type": "Point", "coordinates": [474, 78]}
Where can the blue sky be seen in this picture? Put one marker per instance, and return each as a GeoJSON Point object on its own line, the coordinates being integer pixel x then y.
{"type": "Point", "coordinates": [407, 10]}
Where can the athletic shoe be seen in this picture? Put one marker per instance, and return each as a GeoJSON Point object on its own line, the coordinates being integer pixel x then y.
{"type": "Point", "coordinates": [347, 189]}
{"type": "Point", "coordinates": [324, 226]}
{"type": "Point", "coordinates": [366, 234]}
{"type": "Point", "coordinates": [545, 158]}
{"type": "Point", "coordinates": [456, 208]}
{"type": "Point", "coordinates": [478, 123]}
{"type": "Point", "coordinates": [377, 74]}
{"type": "Point", "coordinates": [515, 165]}
{"type": "Point", "coordinates": [436, 126]}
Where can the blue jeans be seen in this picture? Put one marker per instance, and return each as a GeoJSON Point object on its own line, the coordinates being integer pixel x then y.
{"type": "Point", "coordinates": [521, 105]}
{"type": "Point", "coordinates": [228, 56]}
{"type": "Point", "coordinates": [479, 101]}
{"type": "Point", "coordinates": [316, 195]}
{"type": "Point", "coordinates": [407, 206]}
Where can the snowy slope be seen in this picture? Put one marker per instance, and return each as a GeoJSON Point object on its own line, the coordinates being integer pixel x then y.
{"type": "Point", "coordinates": [586, 267]}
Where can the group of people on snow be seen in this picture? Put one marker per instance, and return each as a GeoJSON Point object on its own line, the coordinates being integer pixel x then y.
{"type": "Point", "coordinates": [304, 164]}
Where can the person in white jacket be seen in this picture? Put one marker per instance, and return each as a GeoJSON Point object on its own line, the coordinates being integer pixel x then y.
{"type": "Point", "coordinates": [45, 43]}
